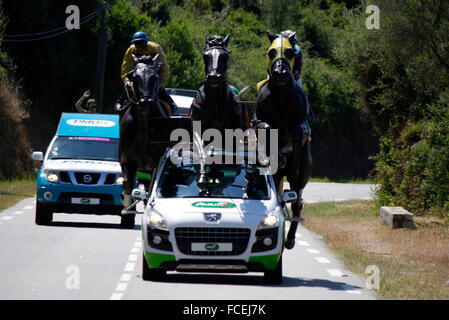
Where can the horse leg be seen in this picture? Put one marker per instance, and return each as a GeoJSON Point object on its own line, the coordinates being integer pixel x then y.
{"type": "Point", "coordinates": [129, 171]}
{"type": "Point", "coordinates": [298, 184]}
{"type": "Point", "coordinates": [126, 147]}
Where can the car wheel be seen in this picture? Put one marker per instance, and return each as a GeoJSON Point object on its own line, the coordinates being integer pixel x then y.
{"type": "Point", "coordinates": [274, 276]}
{"type": "Point", "coordinates": [149, 273]}
{"type": "Point", "coordinates": [128, 221]}
{"type": "Point", "coordinates": [43, 215]}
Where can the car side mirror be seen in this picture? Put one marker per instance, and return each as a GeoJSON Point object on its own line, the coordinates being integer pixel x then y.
{"type": "Point", "coordinates": [289, 196]}
{"type": "Point", "coordinates": [37, 155]}
{"type": "Point", "coordinates": [138, 194]}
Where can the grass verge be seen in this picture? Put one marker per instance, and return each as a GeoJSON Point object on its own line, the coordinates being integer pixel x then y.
{"type": "Point", "coordinates": [413, 263]}
{"type": "Point", "coordinates": [14, 190]}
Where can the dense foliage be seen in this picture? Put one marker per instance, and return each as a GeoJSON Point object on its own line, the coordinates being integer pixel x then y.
{"type": "Point", "coordinates": [403, 72]}
{"type": "Point", "coordinates": [388, 85]}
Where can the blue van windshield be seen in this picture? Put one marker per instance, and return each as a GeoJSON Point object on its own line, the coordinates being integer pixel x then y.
{"type": "Point", "coordinates": [87, 148]}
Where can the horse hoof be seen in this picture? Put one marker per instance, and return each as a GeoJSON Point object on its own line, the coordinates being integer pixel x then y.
{"type": "Point", "coordinates": [290, 244]}
{"type": "Point", "coordinates": [126, 199]}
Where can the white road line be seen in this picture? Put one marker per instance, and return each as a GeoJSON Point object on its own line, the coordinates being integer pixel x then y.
{"type": "Point", "coordinates": [303, 243]}
{"type": "Point", "coordinates": [313, 251]}
{"type": "Point", "coordinates": [132, 257]}
{"type": "Point", "coordinates": [299, 235]}
{"type": "Point", "coordinates": [335, 272]}
{"type": "Point", "coordinates": [322, 260]}
{"type": "Point", "coordinates": [18, 212]}
{"type": "Point", "coordinates": [126, 277]}
{"type": "Point", "coordinates": [350, 289]}
{"type": "Point", "coordinates": [28, 207]}
{"type": "Point", "coordinates": [6, 218]}
{"type": "Point", "coordinates": [137, 244]}
{"type": "Point", "coordinates": [116, 296]}
{"type": "Point", "coordinates": [121, 286]}
{"type": "Point", "coordinates": [127, 274]}
{"type": "Point", "coordinates": [129, 267]}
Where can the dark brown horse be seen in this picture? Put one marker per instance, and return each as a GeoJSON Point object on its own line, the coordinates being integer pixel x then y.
{"type": "Point", "coordinates": [134, 149]}
{"type": "Point", "coordinates": [215, 104]}
{"type": "Point", "coordinates": [283, 105]}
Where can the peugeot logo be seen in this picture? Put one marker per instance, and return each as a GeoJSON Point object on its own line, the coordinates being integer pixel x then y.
{"type": "Point", "coordinates": [87, 178]}
{"type": "Point", "coordinates": [212, 217]}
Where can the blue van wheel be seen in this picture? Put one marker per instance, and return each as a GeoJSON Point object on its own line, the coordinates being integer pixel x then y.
{"type": "Point", "coordinates": [43, 215]}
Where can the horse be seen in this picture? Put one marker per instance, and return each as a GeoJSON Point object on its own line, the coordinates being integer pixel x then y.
{"type": "Point", "coordinates": [283, 105]}
{"type": "Point", "coordinates": [134, 149]}
{"type": "Point", "coordinates": [216, 105]}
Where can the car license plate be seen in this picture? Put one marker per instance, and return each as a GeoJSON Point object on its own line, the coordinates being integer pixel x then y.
{"type": "Point", "coordinates": [86, 200]}
{"type": "Point", "coordinates": [211, 246]}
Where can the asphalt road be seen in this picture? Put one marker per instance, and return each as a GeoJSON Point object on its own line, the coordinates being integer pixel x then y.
{"type": "Point", "coordinates": [90, 257]}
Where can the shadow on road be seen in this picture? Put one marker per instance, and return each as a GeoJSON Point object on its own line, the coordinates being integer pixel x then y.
{"type": "Point", "coordinates": [98, 225]}
{"type": "Point", "coordinates": [252, 280]}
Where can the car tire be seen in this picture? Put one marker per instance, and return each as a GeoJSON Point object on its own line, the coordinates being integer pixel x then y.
{"type": "Point", "coordinates": [128, 221]}
{"type": "Point", "coordinates": [43, 215]}
{"type": "Point", "coordinates": [149, 274]}
{"type": "Point", "coordinates": [274, 276]}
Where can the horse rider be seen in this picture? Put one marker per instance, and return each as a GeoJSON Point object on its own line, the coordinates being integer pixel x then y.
{"type": "Point", "coordinates": [91, 105]}
{"type": "Point", "coordinates": [140, 45]}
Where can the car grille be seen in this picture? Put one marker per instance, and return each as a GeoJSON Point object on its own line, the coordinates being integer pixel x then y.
{"type": "Point", "coordinates": [64, 177]}
{"type": "Point", "coordinates": [185, 236]}
{"type": "Point", "coordinates": [87, 178]}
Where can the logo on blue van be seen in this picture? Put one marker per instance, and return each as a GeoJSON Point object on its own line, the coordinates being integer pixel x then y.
{"type": "Point", "coordinates": [90, 123]}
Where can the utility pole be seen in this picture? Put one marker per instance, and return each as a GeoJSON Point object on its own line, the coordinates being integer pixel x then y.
{"type": "Point", "coordinates": [101, 57]}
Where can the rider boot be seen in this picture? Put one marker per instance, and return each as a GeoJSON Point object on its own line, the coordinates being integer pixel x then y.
{"type": "Point", "coordinates": [164, 96]}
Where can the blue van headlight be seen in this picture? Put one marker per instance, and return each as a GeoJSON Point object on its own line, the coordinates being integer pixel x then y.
{"type": "Point", "coordinates": [51, 175]}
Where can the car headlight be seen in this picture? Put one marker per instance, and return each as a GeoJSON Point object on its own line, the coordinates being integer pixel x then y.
{"type": "Point", "coordinates": [51, 175]}
{"type": "Point", "coordinates": [155, 220]}
{"type": "Point", "coordinates": [120, 180]}
{"type": "Point", "coordinates": [269, 221]}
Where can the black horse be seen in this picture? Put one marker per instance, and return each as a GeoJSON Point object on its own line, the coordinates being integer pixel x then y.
{"type": "Point", "coordinates": [283, 105]}
{"type": "Point", "coordinates": [134, 149]}
{"type": "Point", "coordinates": [215, 104]}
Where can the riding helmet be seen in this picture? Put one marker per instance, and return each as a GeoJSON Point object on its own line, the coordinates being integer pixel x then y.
{"type": "Point", "coordinates": [139, 36]}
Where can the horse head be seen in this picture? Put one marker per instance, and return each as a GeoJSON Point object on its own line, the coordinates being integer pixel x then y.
{"type": "Point", "coordinates": [215, 58]}
{"type": "Point", "coordinates": [146, 82]}
{"type": "Point", "coordinates": [280, 58]}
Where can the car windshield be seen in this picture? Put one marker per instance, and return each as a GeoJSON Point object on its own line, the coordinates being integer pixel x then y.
{"type": "Point", "coordinates": [88, 148]}
{"type": "Point", "coordinates": [223, 181]}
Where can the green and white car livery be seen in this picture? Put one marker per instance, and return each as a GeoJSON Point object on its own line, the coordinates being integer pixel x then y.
{"type": "Point", "coordinates": [234, 223]}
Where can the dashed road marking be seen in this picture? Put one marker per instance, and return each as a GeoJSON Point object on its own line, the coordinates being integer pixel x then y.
{"type": "Point", "coordinates": [303, 243]}
{"type": "Point", "coordinates": [132, 257]}
{"type": "Point", "coordinates": [313, 251]}
{"type": "Point", "coordinates": [121, 286]}
{"type": "Point", "coordinates": [322, 260]}
{"type": "Point", "coordinates": [28, 207]}
{"type": "Point", "coordinates": [127, 274]}
{"type": "Point", "coordinates": [116, 296]}
{"type": "Point", "coordinates": [18, 212]}
{"type": "Point", "coordinates": [129, 267]}
{"type": "Point", "coordinates": [6, 218]}
{"type": "Point", "coordinates": [335, 272]}
{"type": "Point", "coordinates": [350, 289]}
{"type": "Point", "coordinates": [126, 277]}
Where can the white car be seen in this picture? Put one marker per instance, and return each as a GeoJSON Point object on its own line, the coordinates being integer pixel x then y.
{"type": "Point", "coordinates": [233, 223]}
{"type": "Point", "coordinates": [183, 98]}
